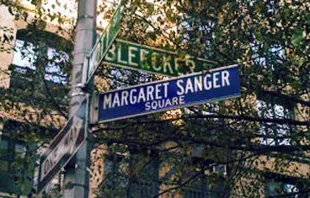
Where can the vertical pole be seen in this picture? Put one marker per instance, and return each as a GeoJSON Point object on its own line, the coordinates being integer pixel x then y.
{"type": "Point", "coordinates": [76, 176]}
{"type": "Point", "coordinates": [203, 185]}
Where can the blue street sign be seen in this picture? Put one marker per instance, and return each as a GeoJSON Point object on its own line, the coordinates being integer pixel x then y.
{"type": "Point", "coordinates": [184, 91]}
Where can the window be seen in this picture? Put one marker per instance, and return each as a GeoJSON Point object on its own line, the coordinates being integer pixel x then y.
{"type": "Point", "coordinates": [4, 166]}
{"type": "Point", "coordinates": [273, 188]}
{"type": "Point", "coordinates": [53, 70]}
{"type": "Point", "coordinates": [144, 184]}
{"type": "Point", "coordinates": [267, 59]}
{"type": "Point", "coordinates": [143, 188]}
{"type": "Point", "coordinates": [16, 169]}
{"type": "Point", "coordinates": [192, 194]}
{"type": "Point", "coordinates": [9, 150]}
{"type": "Point", "coordinates": [203, 188]}
{"type": "Point", "coordinates": [20, 150]}
{"type": "Point", "coordinates": [220, 169]}
{"type": "Point", "coordinates": [273, 134]}
{"type": "Point", "coordinates": [25, 57]}
{"type": "Point", "coordinates": [114, 180]}
{"type": "Point", "coordinates": [285, 188]}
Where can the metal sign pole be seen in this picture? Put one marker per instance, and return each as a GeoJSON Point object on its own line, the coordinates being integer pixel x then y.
{"type": "Point", "coordinates": [64, 146]}
{"type": "Point", "coordinates": [76, 176]}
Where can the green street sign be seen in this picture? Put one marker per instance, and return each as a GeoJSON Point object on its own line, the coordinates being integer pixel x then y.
{"type": "Point", "coordinates": [104, 43]}
{"type": "Point", "coordinates": [144, 58]}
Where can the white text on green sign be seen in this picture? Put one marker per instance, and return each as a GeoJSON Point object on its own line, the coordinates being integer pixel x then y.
{"type": "Point", "coordinates": [104, 43]}
{"type": "Point", "coordinates": [139, 57]}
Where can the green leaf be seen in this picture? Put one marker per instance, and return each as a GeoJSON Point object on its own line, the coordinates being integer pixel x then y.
{"type": "Point", "coordinates": [150, 9]}
{"type": "Point", "coordinates": [259, 36]}
{"type": "Point", "coordinates": [297, 37]}
{"type": "Point", "coordinates": [11, 11]}
{"type": "Point", "coordinates": [301, 61]}
{"type": "Point", "coordinates": [170, 15]}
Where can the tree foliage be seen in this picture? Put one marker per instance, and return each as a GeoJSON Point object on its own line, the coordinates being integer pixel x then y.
{"type": "Point", "coordinates": [34, 108]}
{"type": "Point", "coordinates": [269, 40]}
{"type": "Point", "coordinates": [268, 124]}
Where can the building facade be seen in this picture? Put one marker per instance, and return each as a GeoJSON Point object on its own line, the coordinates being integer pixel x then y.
{"type": "Point", "coordinates": [34, 84]}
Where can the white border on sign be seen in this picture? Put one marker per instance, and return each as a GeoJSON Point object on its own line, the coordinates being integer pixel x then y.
{"type": "Point", "coordinates": [96, 121]}
{"type": "Point", "coordinates": [151, 48]}
{"type": "Point", "coordinates": [170, 108]}
{"type": "Point", "coordinates": [54, 139]}
{"type": "Point", "coordinates": [170, 79]}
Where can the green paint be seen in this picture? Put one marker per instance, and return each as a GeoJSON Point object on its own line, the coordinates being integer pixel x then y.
{"type": "Point", "coordinates": [138, 57]}
{"type": "Point", "coordinates": [104, 43]}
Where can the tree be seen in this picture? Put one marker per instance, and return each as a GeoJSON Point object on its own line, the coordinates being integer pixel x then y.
{"type": "Point", "coordinates": [263, 133]}
{"type": "Point", "coordinates": [34, 107]}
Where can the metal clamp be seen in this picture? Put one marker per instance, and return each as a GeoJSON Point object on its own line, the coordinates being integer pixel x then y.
{"type": "Point", "coordinates": [85, 16]}
{"type": "Point", "coordinates": [77, 94]}
{"type": "Point", "coordinates": [80, 85]}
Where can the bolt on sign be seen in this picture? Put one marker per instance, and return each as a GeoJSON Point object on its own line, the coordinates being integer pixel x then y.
{"type": "Point", "coordinates": [144, 58]}
{"type": "Point", "coordinates": [64, 146]}
{"type": "Point", "coordinates": [184, 91]}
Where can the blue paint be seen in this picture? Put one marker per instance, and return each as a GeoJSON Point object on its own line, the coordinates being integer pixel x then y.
{"type": "Point", "coordinates": [174, 93]}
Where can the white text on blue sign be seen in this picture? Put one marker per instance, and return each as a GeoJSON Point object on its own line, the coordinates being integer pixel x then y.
{"type": "Point", "coordinates": [174, 93]}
